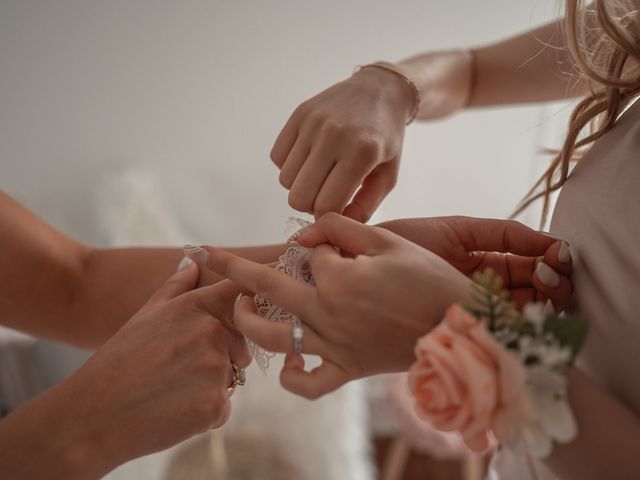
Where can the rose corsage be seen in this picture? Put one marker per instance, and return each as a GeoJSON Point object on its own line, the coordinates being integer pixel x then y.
{"type": "Point", "coordinates": [490, 370]}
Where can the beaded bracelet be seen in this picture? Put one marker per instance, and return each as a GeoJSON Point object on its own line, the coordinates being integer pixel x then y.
{"type": "Point", "coordinates": [390, 67]}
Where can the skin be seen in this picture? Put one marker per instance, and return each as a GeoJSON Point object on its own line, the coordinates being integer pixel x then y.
{"type": "Point", "coordinates": [84, 294]}
{"type": "Point", "coordinates": [340, 150]}
{"type": "Point", "coordinates": [163, 347]}
{"type": "Point", "coordinates": [160, 379]}
{"type": "Point", "coordinates": [168, 354]}
{"type": "Point", "coordinates": [412, 288]}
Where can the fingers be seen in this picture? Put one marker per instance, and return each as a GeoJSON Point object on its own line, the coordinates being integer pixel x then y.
{"type": "Point", "coordinates": [222, 414]}
{"type": "Point", "coordinates": [311, 177]}
{"type": "Point", "coordinates": [217, 301]}
{"type": "Point", "coordinates": [294, 162]}
{"type": "Point", "coordinates": [272, 336]}
{"type": "Point", "coordinates": [286, 139]}
{"type": "Point", "coordinates": [492, 235]}
{"type": "Point", "coordinates": [515, 270]}
{"type": "Point", "coordinates": [277, 287]}
{"type": "Point", "coordinates": [375, 187]}
{"type": "Point", "coordinates": [180, 282]}
{"type": "Point", "coordinates": [558, 257]}
{"type": "Point", "coordinates": [346, 234]}
{"type": "Point", "coordinates": [325, 261]}
{"type": "Point", "coordinates": [344, 179]}
{"type": "Point", "coordinates": [551, 276]}
{"type": "Point", "coordinates": [314, 384]}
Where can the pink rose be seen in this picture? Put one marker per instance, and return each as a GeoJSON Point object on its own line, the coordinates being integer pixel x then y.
{"type": "Point", "coordinates": [463, 380]}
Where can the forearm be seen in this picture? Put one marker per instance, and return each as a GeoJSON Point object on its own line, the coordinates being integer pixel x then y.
{"type": "Point", "coordinates": [115, 283]}
{"type": "Point", "coordinates": [608, 435]}
{"type": "Point", "coordinates": [530, 67]}
{"type": "Point", "coordinates": [46, 439]}
{"type": "Point", "coordinates": [57, 288]}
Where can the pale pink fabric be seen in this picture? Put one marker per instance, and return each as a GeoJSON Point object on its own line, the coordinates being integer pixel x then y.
{"type": "Point", "coordinates": [598, 213]}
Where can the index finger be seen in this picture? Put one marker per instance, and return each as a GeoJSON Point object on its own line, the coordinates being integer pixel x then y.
{"type": "Point", "coordinates": [277, 287]}
{"type": "Point", "coordinates": [493, 235]}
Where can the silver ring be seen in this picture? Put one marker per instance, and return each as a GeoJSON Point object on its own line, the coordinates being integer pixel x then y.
{"type": "Point", "coordinates": [298, 335]}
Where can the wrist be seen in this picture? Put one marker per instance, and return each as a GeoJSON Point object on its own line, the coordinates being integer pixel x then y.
{"type": "Point", "coordinates": [391, 87]}
{"type": "Point", "coordinates": [446, 80]}
{"type": "Point", "coordinates": [47, 429]}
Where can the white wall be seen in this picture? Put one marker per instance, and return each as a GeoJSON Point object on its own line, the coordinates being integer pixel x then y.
{"type": "Point", "coordinates": [199, 89]}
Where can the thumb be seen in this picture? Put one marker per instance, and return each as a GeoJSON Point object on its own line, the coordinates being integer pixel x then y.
{"type": "Point", "coordinates": [314, 384]}
{"type": "Point", "coordinates": [180, 282]}
{"type": "Point", "coordinates": [345, 233]}
{"type": "Point", "coordinates": [373, 191]}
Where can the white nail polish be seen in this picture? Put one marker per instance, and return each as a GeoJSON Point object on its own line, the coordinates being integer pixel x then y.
{"type": "Point", "coordinates": [237, 301]}
{"type": "Point", "coordinates": [547, 275]}
{"type": "Point", "coordinates": [197, 254]}
{"type": "Point", "coordinates": [184, 263]}
{"type": "Point", "coordinates": [564, 255]}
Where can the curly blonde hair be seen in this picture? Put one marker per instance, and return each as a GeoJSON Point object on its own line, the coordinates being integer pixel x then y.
{"type": "Point", "coordinates": [604, 41]}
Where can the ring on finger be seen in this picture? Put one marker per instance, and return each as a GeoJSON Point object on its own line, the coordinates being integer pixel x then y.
{"type": "Point", "coordinates": [298, 336]}
{"type": "Point", "coordinates": [239, 375]}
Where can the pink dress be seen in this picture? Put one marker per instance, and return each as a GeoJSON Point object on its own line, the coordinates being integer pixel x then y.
{"type": "Point", "coordinates": [598, 213]}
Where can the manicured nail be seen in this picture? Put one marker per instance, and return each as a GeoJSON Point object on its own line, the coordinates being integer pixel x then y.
{"type": "Point", "coordinates": [298, 234]}
{"type": "Point", "coordinates": [197, 254]}
{"type": "Point", "coordinates": [294, 361]}
{"type": "Point", "coordinates": [564, 255]}
{"type": "Point", "coordinates": [547, 275]}
{"type": "Point", "coordinates": [237, 301]}
{"type": "Point", "coordinates": [184, 263]}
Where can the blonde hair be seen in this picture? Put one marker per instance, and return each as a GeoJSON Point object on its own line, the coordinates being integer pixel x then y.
{"type": "Point", "coordinates": [604, 41]}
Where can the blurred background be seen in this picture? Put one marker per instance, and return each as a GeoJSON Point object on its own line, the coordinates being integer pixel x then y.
{"type": "Point", "coordinates": [150, 123]}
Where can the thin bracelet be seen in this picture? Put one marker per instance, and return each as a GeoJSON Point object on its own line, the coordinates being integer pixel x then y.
{"type": "Point", "coordinates": [390, 67]}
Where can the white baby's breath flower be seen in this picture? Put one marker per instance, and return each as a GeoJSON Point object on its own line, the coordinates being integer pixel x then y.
{"type": "Point", "coordinates": [535, 313]}
{"type": "Point", "coordinates": [552, 419]}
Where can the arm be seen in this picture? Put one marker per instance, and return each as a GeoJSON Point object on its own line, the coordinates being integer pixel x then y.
{"type": "Point", "coordinates": [340, 150]}
{"type": "Point", "coordinates": [365, 312]}
{"type": "Point", "coordinates": [530, 67]}
{"type": "Point", "coordinates": [174, 355]}
{"type": "Point", "coordinates": [58, 288]}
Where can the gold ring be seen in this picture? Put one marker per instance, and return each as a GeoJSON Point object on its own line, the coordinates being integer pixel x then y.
{"type": "Point", "coordinates": [231, 388]}
{"type": "Point", "coordinates": [239, 375]}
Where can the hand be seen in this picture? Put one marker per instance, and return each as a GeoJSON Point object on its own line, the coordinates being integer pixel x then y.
{"type": "Point", "coordinates": [346, 137]}
{"type": "Point", "coordinates": [511, 249]}
{"type": "Point", "coordinates": [164, 376]}
{"type": "Point", "coordinates": [364, 314]}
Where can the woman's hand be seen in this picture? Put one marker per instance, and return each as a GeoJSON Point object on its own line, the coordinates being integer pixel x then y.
{"type": "Point", "coordinates": [511, 249]}
{"type": "Point", "coordinates": [364, 313]}
{"type": "Point", "coordinates": [164, 376]}
{"type": "Point", "coordinates": [348, 136]}
{"type": "Point", "coordinates": [160, 379]}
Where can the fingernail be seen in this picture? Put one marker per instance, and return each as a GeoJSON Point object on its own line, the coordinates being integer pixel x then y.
{"type": "Point", "coordinates": [548, 308]}
{"type": "Point", "coordinates": [197, 254]}
{"type": "Point", "coordinates": [294, 361]}
{"type": "Point", "coordinates": [237, 301]}
{"type": "Point", "coordinates": [564, 255]}
{"type": "Point", "coordinates": [298, 234]}
{"type": "Point", "coordinates": [547, 275]}
{"type": "Point", "coordinates": [184, 263]}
